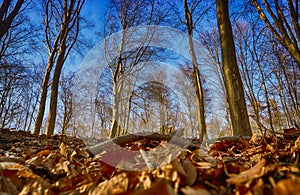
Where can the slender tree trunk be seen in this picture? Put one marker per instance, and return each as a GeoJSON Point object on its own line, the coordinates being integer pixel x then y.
{"type": "Point", "coordinates": [115, 115]}
{"type": "Point", "coordinates": [42, 105]}
{"type": "Point", "coordinates": [263, 80]}
{"type": "Point", "coordinates": [32, 112]}
{"type": "Point", "coordinates": [117, 86]}
{"type": "Point", "coordinates": [233, 83]}
{"type": "Point", "coordinates": [196, 74]}
{"type": "Point", "coordinates": [283, 101]}
{"type": "Point", "coordinates": [54, 90]}
{"type": "Point", "coordinates": [41, 110]}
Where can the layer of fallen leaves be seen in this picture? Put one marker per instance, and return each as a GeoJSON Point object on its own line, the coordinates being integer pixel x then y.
{"type": "Point", "coordinates": [31, 164]}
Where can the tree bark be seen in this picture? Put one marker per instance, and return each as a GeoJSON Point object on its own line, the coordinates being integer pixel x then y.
{"type": "Point", "coordinates": [196, 74]}
{"type": "Point", "coordinates": [116, 130]}
{"type": "Point", "coordinates": [233, 83]}
{"type": "Point", "coordinates": [42, 105]}
{"type": "Point", "coordinates": [117, 86]}
{"type": "Point", "coordinates": [54, 91]}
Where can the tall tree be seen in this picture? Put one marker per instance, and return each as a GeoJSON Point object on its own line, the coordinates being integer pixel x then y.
{"type": "Point", "coordinates": [61, 32]}
{"type": "Point", "coordinates": [121, 16]}
{"type": "Point", "coordinates": [211, 41]}
{"type": "Point", "coordinates": [17, 87]}
{"type": "Point", "coordinates": [233, 83]}
{"type": "Point", "coordinates": [190, 25]}
{"type": "Point", "coordinates": [68, 34]}
{"type": "Point", "coordinates": [282, 19]}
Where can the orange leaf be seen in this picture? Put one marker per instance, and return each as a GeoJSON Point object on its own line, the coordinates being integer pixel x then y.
{"type": "Point", "coordinates": [248, 175]}
{"type": "Point", "coordinates": [43, 153]}
{"type": "Point", "coordinates": [161, 186]}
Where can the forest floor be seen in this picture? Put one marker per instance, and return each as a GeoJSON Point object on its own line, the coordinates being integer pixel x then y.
{"type": "Point", "coordinates": [31, 164]}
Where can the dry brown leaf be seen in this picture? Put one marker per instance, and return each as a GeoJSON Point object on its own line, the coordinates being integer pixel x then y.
{"type": "Point", "coordinates": [200, 156]}
{"type": "Point", "coordinates": [169, 173]}
{"type": "Point", "coordinates": [116, 185]}
{"type": "Point", "coordinates": [36, 187]}
{"type": "Point", "coordinates": [7, 186]}
{"type": "Point", "coordinates": [65, 184]}
{"type": "Point", "coordinates": [64, 165]}
{"type": "Point", "coordinates": [254, 172]}
{"type": "Point", "coordinates": [43, 153]}
{"type": "Point", "coordinates": [187, 190]}
{"type": "Point", "coordinates": [63, 150]}
{"type": "Point", "coordinates": [204, 165]}
{"type": "Point", "coordinates": [191, 172]}
{"type": "Point", "coordinates": [74, 153]}
{"type": "Point", "coordinates": [144, 180]}
{"type": "Point", "coordinates": [27, 174]}
{"type": "Point", "coordinates": [85, 188]}
{"type": "Point", "coordinates": [178, 167]}
{"type": "Point", "coordinates": [258, 187]}
{"type": "Point", "coordinates": [254, 139]}
{"type": "Point", "coordinates": [287, 186]}
{"type": "Point", "coordinates": [160, 186]}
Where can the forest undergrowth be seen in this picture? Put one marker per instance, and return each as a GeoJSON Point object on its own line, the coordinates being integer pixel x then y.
{"type": "Point", "coordinates": [59, 164]}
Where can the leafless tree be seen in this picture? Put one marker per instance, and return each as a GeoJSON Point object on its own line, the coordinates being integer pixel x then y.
{"type": "Point", "coordinates": [121, 16]}
{"type": "Point", "coordinates": [62, 20]}
{"type": "Point", "coordinates": [8, 12]}
{"type": "Point", "coordinates": [18, 89]}
{"type": "Point", "coordinates": [11, 79]}
{"type": "Point", "coordinates": [193, 13]}
{"type": "Point", "coordinates": [66, 101]}
{"type": "Point", "coordinates": [211, 41]}
{"type": "Point", "coordinates": [190, 25]}
{"type": "Point", "coordinates": [233, 83]}
{"type": "Point", "coordinates": [18, 95]}
{"type": "Point", "coordinates": [287, 83]}
{"type": "Point", "coordinates": [282, 19]}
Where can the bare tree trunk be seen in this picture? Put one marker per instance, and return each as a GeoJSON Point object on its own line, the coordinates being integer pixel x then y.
{"type": "Point", "coordinates": [283, 100]}
{"type": "Point", "coordinates": [115, 128]}
{"type": "Point", "coordinates": [116, 73]}
{"type": "Point", "coordinates": [117, 88]}
{"type": "Point", "coordinates": [42, 105]}
{"type": "Point", "coordinates": [54, 91]}
{"type": "Point", "coordinates": [196, 74]}
{"type": "Point", "coordinates": [65, 39]}
{"type": "Point", "coordinates": [211, 42]}
{"type": "Point", "coordinates": [233, 83]}
{"type": "Point", "coordinates": [263, 81]}
{"type": "Point", "coordinates": [33, 111]}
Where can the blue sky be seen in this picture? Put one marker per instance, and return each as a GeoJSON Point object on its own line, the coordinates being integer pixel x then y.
{"type": "Point", "coordinates": [95, 9]}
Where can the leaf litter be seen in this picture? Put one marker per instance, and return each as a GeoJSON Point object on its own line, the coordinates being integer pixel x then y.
{"type": "Point", "coordinates": [31, 164]}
